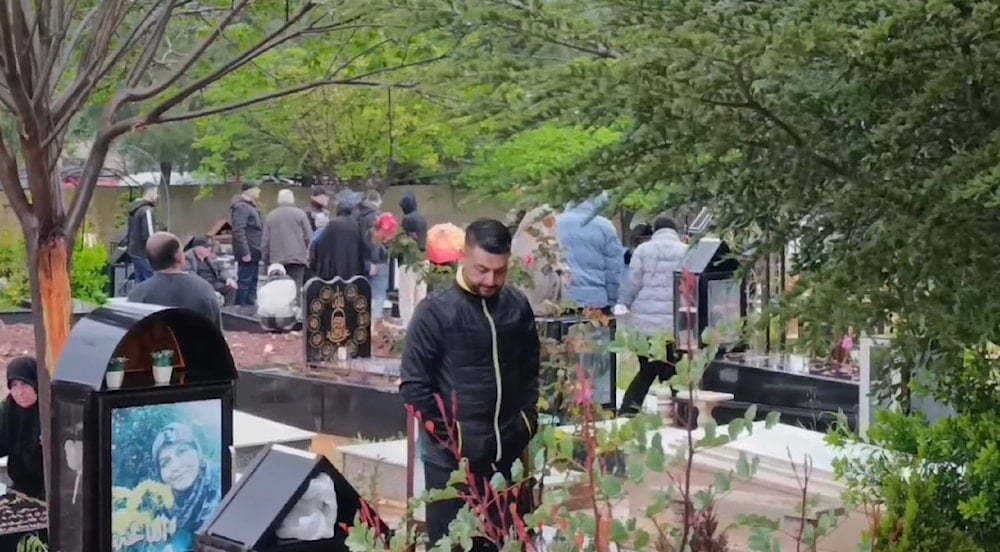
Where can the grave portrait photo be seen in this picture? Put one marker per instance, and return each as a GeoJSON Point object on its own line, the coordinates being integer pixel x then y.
{"type": "Point", "coordinates": [166, 475]}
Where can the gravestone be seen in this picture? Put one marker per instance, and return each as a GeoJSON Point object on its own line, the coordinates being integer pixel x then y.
{"type": "Point", "coordinates": [338, 316]}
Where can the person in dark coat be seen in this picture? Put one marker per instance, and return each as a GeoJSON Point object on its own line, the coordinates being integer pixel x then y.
{"type": "Point", "coordinates": [141, 225]}
{"type": "Point", "coordinates": [474, 346]}
{"type": "Point", "coordinates": [413, 223]}
{"type": "Point", "coordinates": [340, 249]}
{"type": "Point", "coordinates": [248, 236]}
{"type": "Point", "coordinates": [21, 429]}
{"type": "Point", "coordinates": [199, 257]}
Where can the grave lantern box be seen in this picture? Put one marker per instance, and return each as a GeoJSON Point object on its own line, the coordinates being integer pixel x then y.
{"type": "Point", "coordinates": [143, 462]}
{"type": "Point", "coordinates": [252, 513]}
{"type": "Point", "coordinates": [338, 318]}
{"type": "Point", "coordinates": [584, 341]}
{"type": "Point", "coordinates": [717, 299]}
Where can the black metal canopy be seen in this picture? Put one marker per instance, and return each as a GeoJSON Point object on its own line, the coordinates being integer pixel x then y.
{"type": "Point", "coordinates": [709, 255]}
{"type": "Point", "coordinates": [95, 339]}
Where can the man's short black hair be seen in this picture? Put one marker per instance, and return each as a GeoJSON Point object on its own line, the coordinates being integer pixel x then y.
{"type": "Point", "coordinates": [490, 235]}
{"type": "Point", "coordinates": [664, 222]}
{"type": "Point", "coordinates": [164, 256]}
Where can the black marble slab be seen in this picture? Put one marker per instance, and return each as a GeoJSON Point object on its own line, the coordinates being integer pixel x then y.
{"type": "Point", "coordinates": [808, 393]}
{"type": "Point", "coordinates": [321, 404]}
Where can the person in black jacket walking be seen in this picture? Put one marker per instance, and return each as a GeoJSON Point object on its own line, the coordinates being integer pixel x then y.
{"type": "Point", "coordinates": [473, 346]}
{"type": "Point", "coordinates": [141, 225]}
{"type": "Point", "coordinates": [248, 235]}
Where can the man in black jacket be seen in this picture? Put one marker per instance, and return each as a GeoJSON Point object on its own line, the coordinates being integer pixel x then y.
{"type": "Point", "coordinates": [248, 235]}
{"type": "Point", "coordinates": [141, 225]}
{"type": "Point", "coordinates": [474, 347]}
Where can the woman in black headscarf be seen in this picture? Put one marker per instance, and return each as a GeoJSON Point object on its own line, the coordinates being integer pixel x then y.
{"type": "Point", "coordinates": [21, 429]}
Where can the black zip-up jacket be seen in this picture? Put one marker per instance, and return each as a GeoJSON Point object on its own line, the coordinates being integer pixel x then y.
{"type": "Point", "coordinates": [485, 353]}
{"type": "Point", "coordinates": [141, 224]}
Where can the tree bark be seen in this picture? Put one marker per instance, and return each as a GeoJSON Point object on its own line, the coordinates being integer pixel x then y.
{"type": "Point", "coordinates": [49, 258]}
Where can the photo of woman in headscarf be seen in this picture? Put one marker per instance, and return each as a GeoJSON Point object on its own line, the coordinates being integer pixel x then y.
{"type": "Point", "coordinates": [181, 484]}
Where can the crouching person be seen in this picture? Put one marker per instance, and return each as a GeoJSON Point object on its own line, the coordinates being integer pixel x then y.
{"type": "Point", "coordinates": [472, 348]}
{"type": "Point", "coordinates": [277, 301]}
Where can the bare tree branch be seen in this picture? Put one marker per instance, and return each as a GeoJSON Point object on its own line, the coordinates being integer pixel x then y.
{"type": "Point", "coordinates": [275, 95]}
{"type": "Point", "coordinates": [270, 41]}
{"type": "Point", "coordinates": [132, 95]}
{"type": "Point", "coordinates": [11, 178]}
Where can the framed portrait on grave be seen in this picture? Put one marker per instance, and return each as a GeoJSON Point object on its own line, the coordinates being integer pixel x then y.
{"type": "Point", "coordinates": [169, 467]}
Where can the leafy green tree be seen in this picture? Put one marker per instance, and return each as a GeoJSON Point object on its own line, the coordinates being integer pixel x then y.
{"type": "Point", "coordinates": [348, 132]}
{"type": "Point", "coordinates": [140, 63]}
{"type": "Point", "coordinates": [865, 131]}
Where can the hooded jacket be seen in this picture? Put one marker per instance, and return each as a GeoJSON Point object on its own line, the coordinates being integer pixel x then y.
{"type": "Point", "coordinates": [141, 225]}
{"type": "Point", "coordinates": [248, 229]}
{"type": "Point", "coordinates": [413, 223]}
{"type": "Point", "coordinates": [648, 290]}
{"type": "Point", "coordinates": [595, 255]}
{"type": "Point", "coordinates": [484, 353]}
{"type": "Point", "coordinates": [21, 433]}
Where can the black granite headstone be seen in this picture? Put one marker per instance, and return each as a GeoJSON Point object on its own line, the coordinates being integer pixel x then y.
{"type": "Point", "coordinates": [338, 316]}
{"type": "Point", "coordinates": [251, 513]}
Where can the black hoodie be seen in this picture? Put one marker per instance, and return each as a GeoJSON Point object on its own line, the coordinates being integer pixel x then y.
{"type": "Point", "coordinates": [21, 433]}
{"type": "Point", "coordinates": [141, 225]}
{"type": "Point", "coordinates": [414, 224]}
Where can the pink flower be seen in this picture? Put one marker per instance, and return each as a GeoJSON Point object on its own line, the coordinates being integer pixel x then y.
{"type": "Point", "coordinates": [847, 343]}
{"type": "Point", "coordinates": [530, 261]}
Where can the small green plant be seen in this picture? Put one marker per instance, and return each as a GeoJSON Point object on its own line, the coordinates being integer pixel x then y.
{"type": "Point", "coordinates": [163, 358]}
{"type": "Point", "coordinates": [32, 544]}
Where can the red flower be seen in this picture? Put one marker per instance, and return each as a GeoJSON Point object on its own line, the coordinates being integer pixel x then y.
{"type": "Point", "coordinates": [530, 261]}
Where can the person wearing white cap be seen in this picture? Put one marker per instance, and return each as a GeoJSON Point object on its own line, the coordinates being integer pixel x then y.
{"type": "Point", "coordinates": [277, 307]}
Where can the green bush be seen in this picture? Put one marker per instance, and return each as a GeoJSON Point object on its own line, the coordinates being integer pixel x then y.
{"type": "Point", "coordinates": [89, 272]}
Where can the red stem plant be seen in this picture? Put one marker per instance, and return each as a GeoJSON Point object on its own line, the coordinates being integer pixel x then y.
{"type": "Point", "coordinates": [590, 526]}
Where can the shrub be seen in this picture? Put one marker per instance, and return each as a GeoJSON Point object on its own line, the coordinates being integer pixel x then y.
{"type": "Point", "coordinates": [89, 272]}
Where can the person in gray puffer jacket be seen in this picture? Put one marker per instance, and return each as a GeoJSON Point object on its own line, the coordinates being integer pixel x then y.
{"type": "Point", "coordinates": [647, 294]}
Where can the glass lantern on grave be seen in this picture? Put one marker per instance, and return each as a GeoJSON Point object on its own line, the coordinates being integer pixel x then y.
{"type": "Point", "coordinates": [717, 299]}
{"type": "Point", "coordinates": [584, 341]}
{"type": "Point", "coordinates": [142, 425]}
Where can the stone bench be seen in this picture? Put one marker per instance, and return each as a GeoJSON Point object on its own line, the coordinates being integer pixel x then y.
{"type": "Point", "coordinates": [251, 434]}
{"type": "Point", "coordinates": [704, 401]}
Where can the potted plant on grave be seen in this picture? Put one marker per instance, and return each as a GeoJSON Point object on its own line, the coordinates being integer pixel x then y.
{"type": "Point", "coordinates": [163, 366]}
{"type": "Point", "coordinates": [115, 373]}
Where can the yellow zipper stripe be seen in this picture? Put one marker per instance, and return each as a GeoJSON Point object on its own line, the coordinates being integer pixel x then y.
{"type": "Point", "coordinates": [527, 424]}
{"type": "Point", "coordinates": [496, 369]}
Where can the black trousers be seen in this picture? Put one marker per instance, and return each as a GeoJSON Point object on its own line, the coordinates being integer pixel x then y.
{"type": "Point", "coordinates": [649, 370]}
{"type": "Point", "coordinates": [297, 272]}
{"type": "Point", "coordinates": [441, 513]}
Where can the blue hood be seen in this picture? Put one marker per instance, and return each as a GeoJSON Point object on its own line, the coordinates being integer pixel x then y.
{"type": "Point", "coordinates": [592, 207]}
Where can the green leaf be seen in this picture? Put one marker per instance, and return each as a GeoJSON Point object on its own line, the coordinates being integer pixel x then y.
{"type": "Point", "coordinates": [611, 487]}
{"type": "Point", "coordinates": [772, 419]}
{"type": "Point", "coordinates": [723, 481]}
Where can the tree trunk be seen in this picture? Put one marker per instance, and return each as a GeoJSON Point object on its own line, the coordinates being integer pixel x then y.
{"type": "Point", "coordinates": [52, 307]}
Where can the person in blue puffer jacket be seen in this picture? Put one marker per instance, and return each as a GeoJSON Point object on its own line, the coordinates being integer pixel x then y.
{"type": "Point", "coordinates": [594, 253]}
